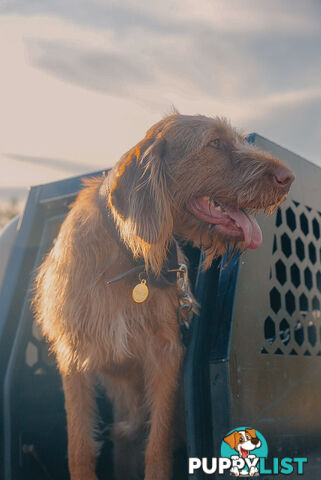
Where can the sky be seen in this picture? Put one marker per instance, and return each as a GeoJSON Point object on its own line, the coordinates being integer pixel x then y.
{"type": "Point", "coordinates": [82, 80]}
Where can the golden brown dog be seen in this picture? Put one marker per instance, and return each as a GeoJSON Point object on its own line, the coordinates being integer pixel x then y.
{"type": "Point", "coordinates": [193, 178]}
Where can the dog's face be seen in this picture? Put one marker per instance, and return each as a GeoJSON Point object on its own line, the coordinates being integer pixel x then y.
{"type": "Point", "coordinates": [198, 178]}
{"type": "Point", "coordinates": [243, 441]}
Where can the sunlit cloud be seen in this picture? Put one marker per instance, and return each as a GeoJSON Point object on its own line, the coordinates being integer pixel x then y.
{"type": "Point", "coordinates": [82, 83]}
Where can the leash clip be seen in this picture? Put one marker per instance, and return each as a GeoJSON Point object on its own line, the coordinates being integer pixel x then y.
{"type": "Point", "coordinates": [185, 309]}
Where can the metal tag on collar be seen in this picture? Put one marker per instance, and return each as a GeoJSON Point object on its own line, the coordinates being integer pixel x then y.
{"type": "Point", "coordinates": [140, 291]}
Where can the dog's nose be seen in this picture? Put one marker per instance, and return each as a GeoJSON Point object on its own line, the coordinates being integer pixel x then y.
{"type": "Point", "coordinates": [255, 441]}
{"type": "Point", "coordinates": [283, 176]}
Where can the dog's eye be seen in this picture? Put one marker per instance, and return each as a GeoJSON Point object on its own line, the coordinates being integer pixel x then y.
{"type": "Point", "coordinates": [216, 143]}
{"type": "Point", "coordinates": [241, 440]}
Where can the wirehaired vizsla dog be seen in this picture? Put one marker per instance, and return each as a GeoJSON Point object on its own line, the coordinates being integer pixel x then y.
{"type": "Point", "coordinates": [107, 298]}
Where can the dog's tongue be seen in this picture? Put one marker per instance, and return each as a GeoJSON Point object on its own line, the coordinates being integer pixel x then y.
{"type": "Point", "coordinates": [251, 230]}
{"type": "Point", "coordinates": [244, 452]}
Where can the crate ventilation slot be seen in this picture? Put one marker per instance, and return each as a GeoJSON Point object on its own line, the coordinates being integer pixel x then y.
{"type": "Point", "coordinates": [293, 325]}
{"type": "Point", "coordinates": [37, 358]}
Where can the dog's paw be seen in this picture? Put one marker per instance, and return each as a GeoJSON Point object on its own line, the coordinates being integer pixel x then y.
{"type": "Point", "coordinates": [253, 471]}
{"type": "Point", "coordinates": [234, 471]}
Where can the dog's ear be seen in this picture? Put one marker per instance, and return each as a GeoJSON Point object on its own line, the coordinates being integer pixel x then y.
{"type": "Point", "coordinates": [140, 194]}
{"type": "Point", "coordinates": [140, 197]}
{"type": "Point", "coordinates": [232, 439]}
{"type": "Point", "coordinates": [251, 432]}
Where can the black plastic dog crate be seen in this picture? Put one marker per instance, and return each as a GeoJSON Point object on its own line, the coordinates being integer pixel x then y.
{"type": "Point", "coordinates": [253, 356]}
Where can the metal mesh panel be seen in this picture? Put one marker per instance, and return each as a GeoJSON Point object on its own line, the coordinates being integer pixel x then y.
{"type": "Point", "coordinates": [293, 325]}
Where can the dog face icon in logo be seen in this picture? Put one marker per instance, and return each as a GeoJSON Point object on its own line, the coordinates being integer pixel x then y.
{"type": "Point", "coordinates": [243, 443]}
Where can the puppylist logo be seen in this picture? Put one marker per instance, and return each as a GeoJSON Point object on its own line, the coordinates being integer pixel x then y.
{"type": "Point", "coordinates": [244, 453]}
{"type": "Point", "coordinates": [244, 447]}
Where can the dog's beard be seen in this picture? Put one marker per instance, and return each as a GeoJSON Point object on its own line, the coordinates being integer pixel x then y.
{"type": "Point", "coordinates": [214, 245]}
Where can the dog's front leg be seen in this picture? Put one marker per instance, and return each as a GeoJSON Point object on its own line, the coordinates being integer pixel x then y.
{"type": "Point", "coordinates": [80, 410]}
{"type": "Point", "coordinates": [162, 381]}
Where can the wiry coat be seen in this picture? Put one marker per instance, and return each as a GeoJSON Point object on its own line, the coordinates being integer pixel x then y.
{"type": "Point", "coordinates": [95, 329]}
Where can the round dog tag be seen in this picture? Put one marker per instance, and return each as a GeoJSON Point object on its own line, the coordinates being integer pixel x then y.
{"type": "Point", "coordinates": [140, 292]}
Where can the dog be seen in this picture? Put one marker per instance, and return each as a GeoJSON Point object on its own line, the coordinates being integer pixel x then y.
{"type": "Point", "coordinates": [244, 442]}
{"type": "Point", "coordinates": [107, 298]}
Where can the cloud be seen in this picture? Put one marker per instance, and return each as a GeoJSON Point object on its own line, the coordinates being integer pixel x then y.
{"type": "Point", "coordinates": [104, 71]}
{"type": "Point", "coordinates": [55, 163]}
{"type": "Point", "coordinates": [249, 16]}
{"type": "Point", "coordinates": [103, 15]}
{"type": "Point", "coordinates": [210, 64]}
{"type": "Point", "coordinates": [202, 48]}
{"type": "Point", "coordinates": [97, 73]}
{"type": "Point", "coordinates": [295, 125]}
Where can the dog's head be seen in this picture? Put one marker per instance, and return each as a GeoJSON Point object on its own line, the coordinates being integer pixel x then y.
{"type": "Point", "coordinates": [198, 178]}
{"type": "Point", "coordinates": [243, 441]}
